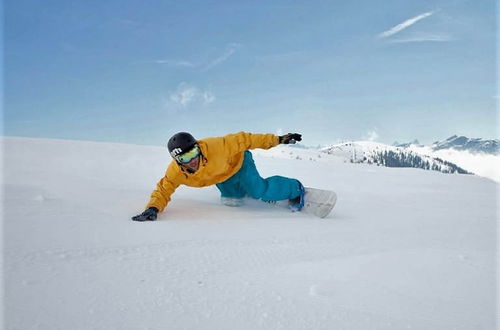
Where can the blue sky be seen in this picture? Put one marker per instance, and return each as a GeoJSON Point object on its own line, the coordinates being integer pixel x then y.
{"type": "Point", "coordinates": [139, 71]}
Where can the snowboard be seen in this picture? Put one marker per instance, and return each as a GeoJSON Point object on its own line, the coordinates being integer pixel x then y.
{"type": "Point", "coordinates": [319, 202]}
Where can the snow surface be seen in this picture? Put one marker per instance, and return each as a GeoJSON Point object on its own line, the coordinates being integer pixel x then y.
{"type": "Point", "coordinates": [403, 249]}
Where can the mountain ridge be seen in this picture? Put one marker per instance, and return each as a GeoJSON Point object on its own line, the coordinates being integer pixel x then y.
{"type": "Point", "coordinates": [379, 154]}
{"type": "Point", "coordinates": [459, 142]}
{"type": "Point", "coordinates": [477, 145]}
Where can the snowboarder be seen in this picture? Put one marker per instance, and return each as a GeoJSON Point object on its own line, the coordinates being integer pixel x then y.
{"type": "Point", "coordinates": [226, 162]}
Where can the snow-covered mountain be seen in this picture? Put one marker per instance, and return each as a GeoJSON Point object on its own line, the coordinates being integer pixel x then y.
{"type": "Point", "coordinates": [407, 144]}
{"type": "Point", "coordinates": [476, 155]}
{"type": "Point", "coordinates": [414, 154]}
{"type": "Point", "coordinates": [462, 143]}
{"type": "Point", "coordinates": [474, 145]}
{"type": "Point", "coordinates": [402, 249]}
{"type": "Point", "coordinates": [390, 156]}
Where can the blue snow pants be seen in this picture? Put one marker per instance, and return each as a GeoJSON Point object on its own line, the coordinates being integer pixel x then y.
{"type": "Point", "coordinates": [248, 182]}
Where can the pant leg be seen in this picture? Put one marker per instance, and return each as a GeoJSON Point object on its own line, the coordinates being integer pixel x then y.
{"type": "Point", "coordinates": [231, 188]}
{"type": "Point", "coordinates": [248, 182]}
{"type": "Point", "coordinates": [274, 188]}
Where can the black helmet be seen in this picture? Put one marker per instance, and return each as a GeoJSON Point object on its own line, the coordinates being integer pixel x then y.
{"type": "Point", "coordinates": [180, 143]}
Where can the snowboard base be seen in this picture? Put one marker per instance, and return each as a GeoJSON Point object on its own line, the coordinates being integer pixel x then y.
{"type": "Point", "coordinates": [319, 202]}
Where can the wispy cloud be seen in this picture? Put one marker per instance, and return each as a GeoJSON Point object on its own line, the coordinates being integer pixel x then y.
{"type": "Point", "coordinates": [208, 64]}
{"type": "Point", "coordinates": [208, 97]}
{"type": "Point", "coordinates": [228, 52]}
{"type": "Point", "coordinates": [424, 37]}
{"type": "Point", "coordinates": [371, 136]}
{"type": "Point", "coordinates": [186, 95]}
{"type": "Point", "coordinates": [176, 63]}
{"type": "Point", "coordinates": [401, 26]}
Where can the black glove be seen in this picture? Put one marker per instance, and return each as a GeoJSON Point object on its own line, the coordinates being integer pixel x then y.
{"type": "Point", "coordinates": [290, 138]}
{"type": "Point", "coordinates": [150, 214]}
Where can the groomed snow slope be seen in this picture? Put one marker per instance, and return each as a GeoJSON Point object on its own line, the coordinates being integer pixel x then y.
{"type": "Point", "coordinates": [403, 249]}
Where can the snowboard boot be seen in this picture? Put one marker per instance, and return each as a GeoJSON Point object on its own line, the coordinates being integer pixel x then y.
{"type": "Point", "coordinates": [296, 204]}
{"type": "Point", "coordinates": [233, 202]}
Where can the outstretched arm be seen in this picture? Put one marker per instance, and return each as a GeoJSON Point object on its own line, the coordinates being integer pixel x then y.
{"type": "Point", "coordinates": [245, 141]}
{"type": "Point", "coordinates": [160, 196]}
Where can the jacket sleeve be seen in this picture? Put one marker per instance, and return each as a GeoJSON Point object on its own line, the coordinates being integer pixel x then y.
{"type": "Point", "coordinates": [164, 189]}
{"type": "Point", "coordinates": [242, 141]}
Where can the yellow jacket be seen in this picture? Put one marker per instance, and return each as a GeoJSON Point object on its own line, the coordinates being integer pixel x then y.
{"type": "Point", "coordinates": [222, 158]}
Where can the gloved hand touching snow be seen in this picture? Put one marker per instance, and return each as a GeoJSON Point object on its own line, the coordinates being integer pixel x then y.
{"type": "Point", "coordinates": [290, 138]}
{"type": "Point", "coordinates": [148, 215]}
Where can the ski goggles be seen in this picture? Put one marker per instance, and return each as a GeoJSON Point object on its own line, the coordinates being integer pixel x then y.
{"type": "Point", "coordinates": [188, 155]}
